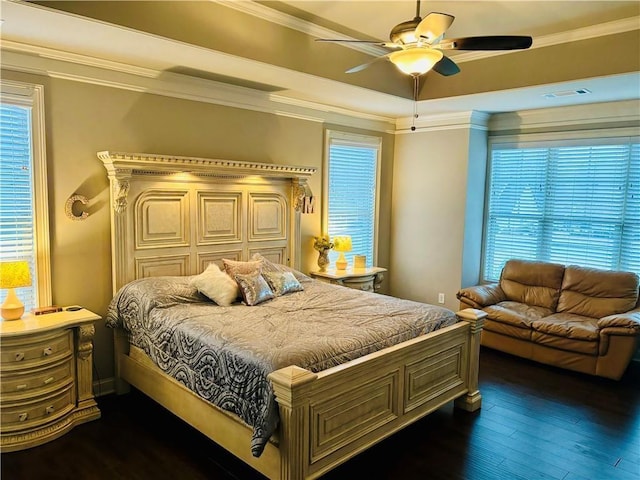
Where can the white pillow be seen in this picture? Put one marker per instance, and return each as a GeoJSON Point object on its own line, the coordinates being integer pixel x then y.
{"type": "Point", "coordinates": [216, 285]}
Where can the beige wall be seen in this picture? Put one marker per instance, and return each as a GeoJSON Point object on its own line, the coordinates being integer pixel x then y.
{"type": "Point", "coordinates": [82, 119]}
{"type": "Point", "coordinates": [439, 180]}
{"type": "Point", "coordinates": [428, 213]}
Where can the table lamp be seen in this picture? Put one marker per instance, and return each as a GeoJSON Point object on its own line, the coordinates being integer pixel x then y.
{"type": "Point", "coordinates": [13, 275]}
{"type": "Point", "coordinates": [342, 244]}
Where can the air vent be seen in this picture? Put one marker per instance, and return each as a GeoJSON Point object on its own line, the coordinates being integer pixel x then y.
{"type": "Point", "coordinates": [567, 93]}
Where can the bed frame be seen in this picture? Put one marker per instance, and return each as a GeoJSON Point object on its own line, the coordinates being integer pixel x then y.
{"type": "Point", "coordinates": [173, 216]}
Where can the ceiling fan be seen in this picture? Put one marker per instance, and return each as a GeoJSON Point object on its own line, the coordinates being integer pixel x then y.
{"type": "Point", "coordinates": [419, 43]}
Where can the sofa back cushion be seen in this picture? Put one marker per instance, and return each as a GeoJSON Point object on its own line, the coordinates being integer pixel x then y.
{"type": "Point", "coordinates": [534, 283]}
{"type": "Point", "coordinates": [597, 293]}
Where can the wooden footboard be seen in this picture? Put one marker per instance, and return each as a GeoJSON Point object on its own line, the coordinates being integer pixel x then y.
{"type": "Point", "coordinates": [328, 417]}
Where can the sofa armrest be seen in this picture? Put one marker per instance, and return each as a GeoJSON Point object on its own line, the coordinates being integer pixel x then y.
{"type": "Point", "coordinates": [481, 295]}
{"type": "Point", "coordinates": [629, 320]}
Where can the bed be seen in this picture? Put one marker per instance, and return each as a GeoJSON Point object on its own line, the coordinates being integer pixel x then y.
{"type": "Point", "coordinates": [174, 216]}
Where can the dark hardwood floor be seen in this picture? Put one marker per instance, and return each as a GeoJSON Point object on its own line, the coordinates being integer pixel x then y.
{"type": "Point", "coordinates": [536, 422]}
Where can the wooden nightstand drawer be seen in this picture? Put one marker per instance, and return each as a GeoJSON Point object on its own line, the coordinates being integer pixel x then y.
{"type": "Point", "coordinates": [361, 283]}
{"type": "Point", "coordinates": [46, 385]}
{"type": "Point", "coordinates": [17, 354]}
{"type": "Point", "coordinates": [47, 378]}
{"type": "Point", "coordinates": [27, 413]}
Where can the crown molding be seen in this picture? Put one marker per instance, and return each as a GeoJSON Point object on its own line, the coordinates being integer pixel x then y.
{"type": "Point", "coordinates": [119, 163]}
{"type": "Point", "coordinates": [604, 113]}
{"type": "Point", "coordinates": [430, 123]}
{"type": "Point", "coordinates": [53, 54]}
{"type": "Point", "coordinates": [79, 68]}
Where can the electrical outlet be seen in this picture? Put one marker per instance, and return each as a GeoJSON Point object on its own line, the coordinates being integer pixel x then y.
{"type": "Point", "coordinates": [441, 298]}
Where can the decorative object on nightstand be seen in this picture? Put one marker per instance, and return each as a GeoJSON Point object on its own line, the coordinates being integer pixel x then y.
{"type": "Point", "coordinates": [366, 279]}
{"type": "Point", "coordinates": [359, 261]}
{"type": "Point", "coordinates": [322, 244]}
{"type": "Point", "coordinates": [46, 377]}
{"type": "Point", "coordinates": [14, 275]}
{"type": "Point", "coordinates": [342, 244]}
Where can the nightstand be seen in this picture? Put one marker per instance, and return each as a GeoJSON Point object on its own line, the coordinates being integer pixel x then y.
{"type": "Point", "coordinates": [367, 279]}
{"type": "Point", "coordinates": [46, 383]}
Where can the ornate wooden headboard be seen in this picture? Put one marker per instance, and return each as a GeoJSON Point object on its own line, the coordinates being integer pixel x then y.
{"type": "Point", "coordinates": [174, 215]}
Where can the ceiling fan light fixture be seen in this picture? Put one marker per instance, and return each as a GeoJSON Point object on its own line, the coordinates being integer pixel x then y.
{"type": "Point", "coordinates": [416, 61]}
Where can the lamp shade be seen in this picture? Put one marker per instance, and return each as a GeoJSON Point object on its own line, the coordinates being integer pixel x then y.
{"type": "Point", "coordinates": [416, 61]}
{"type": "Point", "coordinates": [14, 274]}
{"type": "Point", "coordinates": [342, 243]}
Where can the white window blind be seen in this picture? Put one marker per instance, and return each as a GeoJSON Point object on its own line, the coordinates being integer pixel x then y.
{"type": "Point", "coordinates": [352, 180]}
{"type": "Point", "coordinates": [16, 194]}
{"type": "Point", "coordinates": [571, 202]}
{"type": "Point", "coordinates": [24, 206]}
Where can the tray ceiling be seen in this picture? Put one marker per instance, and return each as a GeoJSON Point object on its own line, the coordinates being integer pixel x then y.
{"type": "Point", "coordinates": [270, 47]}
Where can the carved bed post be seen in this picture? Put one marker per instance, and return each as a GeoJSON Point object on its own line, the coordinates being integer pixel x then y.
{"type": "Point", "coordinates": [302, 202]}
{"type": "Point", "coordinates": [291, 386]}
{"type": "Point", "coordinates": [472, 401]}
{"type": "Point", "coordinates": [119, 179]}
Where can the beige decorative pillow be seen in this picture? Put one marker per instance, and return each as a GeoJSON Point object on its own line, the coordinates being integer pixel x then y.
{"type": "Point", "coordinates": [267, 265]}
{"type": "Point", "coordinates": [235, 267]}
{"type": "Point", "coordinates": [216, 285]}
{"type": "Point", "coordinates": [282, 282]}
{"type": "Point", "coordinates": [254, 288]}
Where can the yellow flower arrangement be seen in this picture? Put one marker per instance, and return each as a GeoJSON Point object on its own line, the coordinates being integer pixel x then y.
{"type": "Point", "coordinates": [322, 243]}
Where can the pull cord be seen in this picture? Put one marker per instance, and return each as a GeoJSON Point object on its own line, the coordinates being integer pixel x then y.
{"type": "Point", "coordinates": [416, 84]}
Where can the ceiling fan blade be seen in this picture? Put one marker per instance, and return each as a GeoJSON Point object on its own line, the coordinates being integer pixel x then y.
{"type": "Point", "coordinates": [495, 42]}
{"type": "Point", "coordinates": [446, 67]}
{"type": "Point", "coordinates": [433, 26]}
{"type": "Point", "coordinates": [370, 42]}
{"type": "Point", "coordinates": [365, 65]}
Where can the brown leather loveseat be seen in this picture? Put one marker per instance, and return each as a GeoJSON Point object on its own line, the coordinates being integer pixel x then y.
{"type": "Point", "coordinates": [578, 318]}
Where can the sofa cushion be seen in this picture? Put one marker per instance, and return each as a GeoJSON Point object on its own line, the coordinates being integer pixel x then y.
{"type": "Point", "coordinates": [564, 343]}
{"type": "Point", "coordinates": [516, 313]}
{"type": "Point", "coordinates": [597, 293]}
{"type": "Point", "coordinates": [568, 325]}
{"type": "Point", "coordinates": [507, 330]}
{"type": "Point", "coordinates": [533, 283]}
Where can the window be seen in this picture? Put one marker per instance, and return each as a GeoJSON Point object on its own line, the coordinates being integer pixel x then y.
{"type": "Point", "coordinates": [571, 202]}
{"type": "Point", "coordinates": [24, 232]}
{"type": "Point", "coordinates": [351, 192]}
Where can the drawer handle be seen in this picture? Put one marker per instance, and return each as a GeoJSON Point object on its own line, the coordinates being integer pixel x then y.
{"type": "Point", "coordinates": [21, 387]}
{"type": "Point", "coordinates": [19, 356]}
{"type": "Point", "coordinates": [47, 381]}
{"type": "Point", "coordinates": [47, 351]}
{"type": "Point", "coordinates": [23, 416]}
{"type": "Point", "coordinates": [50, 409]}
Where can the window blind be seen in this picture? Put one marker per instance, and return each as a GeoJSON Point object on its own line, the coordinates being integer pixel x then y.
{"type": "Point", "coordinates": [352, 190]}
{"type": "Point", "coordinates": [573, 202]}
{"type": "Point", "coordinates": [16, 194]}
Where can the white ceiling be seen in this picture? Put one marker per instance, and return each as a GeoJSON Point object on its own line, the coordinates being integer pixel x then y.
{"type": "Point", "coordinates": [35, 30]}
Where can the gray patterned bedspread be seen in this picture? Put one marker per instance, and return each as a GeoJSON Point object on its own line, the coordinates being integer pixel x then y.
{"type": "Point", "coordinates": [224, 354]}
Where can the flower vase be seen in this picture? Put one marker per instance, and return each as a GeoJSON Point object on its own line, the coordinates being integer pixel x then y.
{"type": "Point", "coordinates": [323, 260]}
